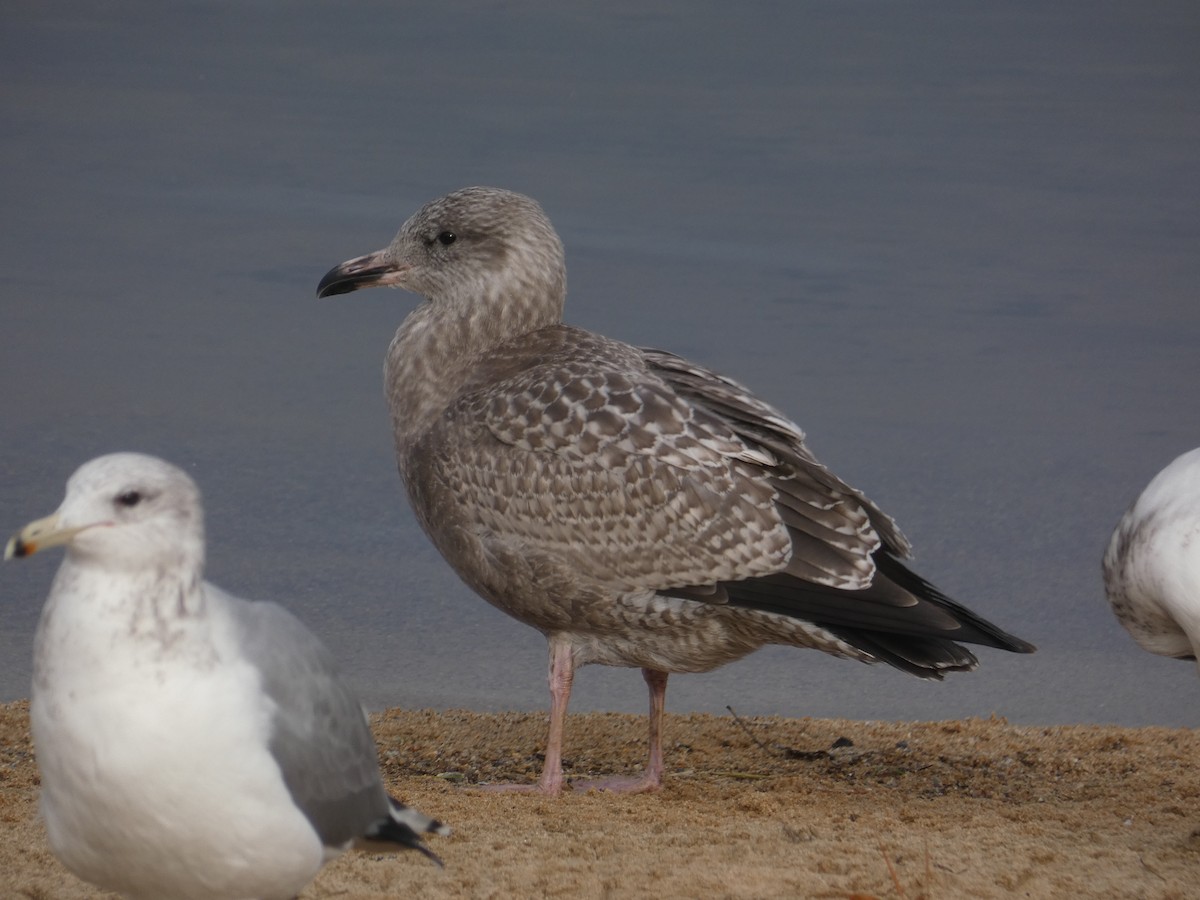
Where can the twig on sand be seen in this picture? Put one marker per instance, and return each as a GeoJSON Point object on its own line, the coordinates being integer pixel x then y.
{"type": "Point", "coordinates": [892, 871]}
{"type": "Point", "coordinates": [924, 895]}
{"type": "Point", "coordinates": [749, 733]}
{"type": "Point", "coordinates": [1149, 868]}
{"type": "Point", "coordinates": [790, 752]}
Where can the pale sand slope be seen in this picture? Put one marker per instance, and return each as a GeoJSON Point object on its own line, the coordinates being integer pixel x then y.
{"type": "Point", "coordinates": [958, 809]}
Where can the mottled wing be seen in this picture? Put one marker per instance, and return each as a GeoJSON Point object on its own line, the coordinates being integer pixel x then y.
{"type": "Point", "coordinates": [320, 737]}
{"type": "Point", "coordinates": [595, 458]}
{"type": "Point", "coordinates": [800, 476]}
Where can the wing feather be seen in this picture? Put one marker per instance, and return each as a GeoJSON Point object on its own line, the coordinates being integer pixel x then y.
{"type": "Point", "coordinates": [643, 471]}
{"type": "Point", "coordinates": [320, 737]}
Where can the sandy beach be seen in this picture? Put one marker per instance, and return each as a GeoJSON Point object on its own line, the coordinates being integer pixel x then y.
{"type": "Point", "coordinates": [753, 807]}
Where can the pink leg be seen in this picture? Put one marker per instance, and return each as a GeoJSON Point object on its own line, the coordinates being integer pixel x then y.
{"type": "Point", "coordinates": [657, 682]}
{"type": "Point", "coordinates": [562, 674]}
{"type": "Point", "coordinates": [651, 779]}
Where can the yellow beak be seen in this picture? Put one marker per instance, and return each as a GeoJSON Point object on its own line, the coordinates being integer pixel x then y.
{"type": "Point", "coordinates": [39, 535]}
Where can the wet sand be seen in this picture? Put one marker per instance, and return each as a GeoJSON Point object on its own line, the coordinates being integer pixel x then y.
{"type": "Point", "coordinates": [752, 808]}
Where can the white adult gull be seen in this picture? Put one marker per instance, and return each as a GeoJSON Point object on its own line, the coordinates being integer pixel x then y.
{"type": "Point", "coordinates": [191, 744]}
{"type": "Point", "coordinates": [634, 507]}
{"type": "Point", "coordinates": [1152, 564]}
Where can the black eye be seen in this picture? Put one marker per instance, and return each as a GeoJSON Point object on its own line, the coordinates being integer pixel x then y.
{"type": "Point", "coordinates": [446, 238]}
{"type": "Point", "coordinates": [129, 498]}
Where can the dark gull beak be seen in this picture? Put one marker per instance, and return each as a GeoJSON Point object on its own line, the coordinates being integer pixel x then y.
{"type": "Point", "coordinates": [372, 270]}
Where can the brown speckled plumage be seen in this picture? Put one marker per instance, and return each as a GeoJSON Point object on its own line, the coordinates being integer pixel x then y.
{"type": "Point", "coordinates": [636, 508]}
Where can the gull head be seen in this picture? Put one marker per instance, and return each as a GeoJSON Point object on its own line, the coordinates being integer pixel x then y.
{"type": "Point", "coordinates": [463, 249]}
{"type": "Point", "coordinates": [125, 510]}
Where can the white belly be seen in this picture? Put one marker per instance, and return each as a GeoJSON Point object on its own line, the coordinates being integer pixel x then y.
{"type": "Point", "coordinates": [161, 786]}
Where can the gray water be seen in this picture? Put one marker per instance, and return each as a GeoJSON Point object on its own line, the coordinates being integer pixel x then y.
{"type": "Point", "coordinates": [958, 243]}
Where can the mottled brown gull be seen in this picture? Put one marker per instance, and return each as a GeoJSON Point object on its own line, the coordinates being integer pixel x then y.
{"type": "Point", "coordinates": [1152, 564]}
{"type": "Point", "coordinates": [191, 744]}
{"type": "Point", "coordinates": [634, 507]}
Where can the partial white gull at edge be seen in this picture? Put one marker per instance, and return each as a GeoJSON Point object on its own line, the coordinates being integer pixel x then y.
{"type": "Point", "coordinates": [636, 508]}
{"type": "Point", "coordinates": [1152, 563]}
{"type": "Point", "coordinates": [191, 744]}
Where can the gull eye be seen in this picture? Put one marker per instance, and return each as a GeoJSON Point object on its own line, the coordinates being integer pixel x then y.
{"type": "Point", "coordinates": [446, 238]}
{"type": "Point", "coordinates": [129, 498]}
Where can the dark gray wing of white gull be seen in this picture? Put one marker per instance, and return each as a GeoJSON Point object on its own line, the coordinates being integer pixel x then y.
{"type": "Point", "coordinates": [320, 737]}
{"type": "Point", "coordinates": [1151, 568]}
{"type": "Point", "coordinates": [637, 509]}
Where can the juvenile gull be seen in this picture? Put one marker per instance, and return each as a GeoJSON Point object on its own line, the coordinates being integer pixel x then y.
{"type": "Point", "coordinates": [1152, 564]}
{"type": "Point", "coordinates": [190, 744]}
{"type": "Point", "coordinates": [634, 507]}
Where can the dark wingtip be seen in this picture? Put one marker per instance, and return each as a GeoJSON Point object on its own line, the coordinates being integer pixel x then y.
{"type": "Point", "coordinates": [976, 629]}
{"type": "Point", "coordinates": [391, 831]}
{"type": "Point", "coordinates": [437, 860]}
{"type": "Point", "coordinates": [403, 828]}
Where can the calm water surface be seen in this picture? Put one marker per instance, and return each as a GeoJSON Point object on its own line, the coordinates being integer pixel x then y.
{"type": "Point", "coordinates": [957, 243]}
